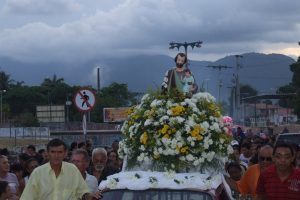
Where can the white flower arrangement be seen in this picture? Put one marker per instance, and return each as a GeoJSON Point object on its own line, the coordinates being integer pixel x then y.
{"type": "Point", "coordinates": [141, 180]}
{"type": "Point", "coordinates": [175, 133]}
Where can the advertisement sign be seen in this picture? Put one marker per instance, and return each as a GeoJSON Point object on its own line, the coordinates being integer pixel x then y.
{"type": "Point", "coordinates": [115, 114]}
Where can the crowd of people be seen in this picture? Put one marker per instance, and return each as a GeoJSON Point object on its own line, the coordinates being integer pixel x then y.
{"type": "Point", "coordinates": [57, 172]}
{"type": "Point", "coordinates": [263, 169]}
{"type": "Point", "coordinates": [258, 169]}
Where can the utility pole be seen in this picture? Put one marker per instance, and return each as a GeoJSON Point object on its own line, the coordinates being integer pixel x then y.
{"type": "Point", "coordinates": [98, 80]}
{"type": "Point", "coordinates": [185, 45]}
{"type": "Point", "coordinates": [219, 67]}
{"type": "Point", "coordinates": [237, 86]}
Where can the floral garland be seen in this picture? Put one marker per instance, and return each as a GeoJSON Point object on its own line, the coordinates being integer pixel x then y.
{"type": "Point", "coordinates": [172, 132]}
{"type": "Point", "coordinates": [141, 180]}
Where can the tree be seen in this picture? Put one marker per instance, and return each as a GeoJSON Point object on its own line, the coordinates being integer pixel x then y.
{"type": "Point", "coordinates": [5, 81]}
{"type": "Point", "coordinates": [52, 82]}
{"type": "Point", "coordinates": [286, 103]}
{"type": "Point", "coordinates": [295, 68]}
{"type": "Point", "coordinates": [247, 91]}
{"type": "Point", "coordinates": [114, 95]}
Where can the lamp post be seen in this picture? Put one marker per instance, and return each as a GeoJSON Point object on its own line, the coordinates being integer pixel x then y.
{"type": "Point", "coordinates": [1, 94]}
{"type": "Point", "coordinates": [68, 104]}
{"type": "Point", "coordinates": [185, 45]}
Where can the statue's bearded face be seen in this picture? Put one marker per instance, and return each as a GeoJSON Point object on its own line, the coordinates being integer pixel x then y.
{"type": "Point", "coordinates": [180, 61]}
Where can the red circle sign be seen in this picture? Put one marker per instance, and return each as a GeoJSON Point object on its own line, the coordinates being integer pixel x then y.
{"type": "Point", "coordinates": [85, 100]}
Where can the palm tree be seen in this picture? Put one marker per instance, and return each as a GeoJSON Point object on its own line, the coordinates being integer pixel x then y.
{"type": "Point", "coordinates": [53, 82]}
{"type": "Point", "coordinates": [5, 80]}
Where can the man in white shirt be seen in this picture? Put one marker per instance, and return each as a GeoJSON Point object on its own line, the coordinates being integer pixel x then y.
{"type": "Point", "coordinates": [80, 159]}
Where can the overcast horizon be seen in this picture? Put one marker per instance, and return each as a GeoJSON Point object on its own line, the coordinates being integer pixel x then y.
{"type": "Point", "coordinates": [80, 31]}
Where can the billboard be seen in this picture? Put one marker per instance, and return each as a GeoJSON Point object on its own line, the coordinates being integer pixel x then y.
{"type": "Point", "coordinates": [50, 113]}
{"type": "Point", "coordinates": [115, 114]}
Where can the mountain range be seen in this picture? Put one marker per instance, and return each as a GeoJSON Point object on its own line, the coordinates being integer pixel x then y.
{"type": "Point", "coordinates": [264, 72]}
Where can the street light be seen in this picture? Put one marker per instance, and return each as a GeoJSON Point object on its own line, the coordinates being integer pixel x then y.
{"type": "Point", "coordinates": [1, 94]}
{"type": "Point", "coordinates": [185, 45]}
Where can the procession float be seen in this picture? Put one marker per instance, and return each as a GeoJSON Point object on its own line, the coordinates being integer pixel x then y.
{"type": "Point", "coordinates": [174, 147]}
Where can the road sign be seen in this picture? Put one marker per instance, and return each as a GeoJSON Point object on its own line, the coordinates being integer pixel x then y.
{"type": "Point", "coordinates": [84, 100]}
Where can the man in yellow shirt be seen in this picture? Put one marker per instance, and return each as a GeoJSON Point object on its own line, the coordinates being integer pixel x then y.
{"type": "Point", "coordinates": [57, 180]}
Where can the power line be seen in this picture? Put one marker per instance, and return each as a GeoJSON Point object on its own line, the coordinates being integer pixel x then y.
{"type": "Point", "coordinates": [219, 67]}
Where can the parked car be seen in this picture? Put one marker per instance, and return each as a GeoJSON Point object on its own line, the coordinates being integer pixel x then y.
{"type": "Point", "coordinates": [292, 138]}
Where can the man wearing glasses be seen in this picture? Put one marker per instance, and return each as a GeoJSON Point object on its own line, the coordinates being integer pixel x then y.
{"type": "Point", "coordinates": [247, 185]}
{"type": "Point", "coordinates": [281, 180]}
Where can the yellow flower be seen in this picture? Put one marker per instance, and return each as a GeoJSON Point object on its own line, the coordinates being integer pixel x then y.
{"type": "Point", "coordinates": [130, 110]}
{"type": "Point", "coordinates": [177, 110]}
{"type": "Point", "coordinates": [164, 130]}
{"type": "Point", "coordinates": [184, 149]}
{"type": "Point", "coordinates": [166, 136]}
{"type": "Point", "coordinates": [156, 156]}
{"type": "Point", "coordinates": [196, 132]}
{"type": "Point", "coordinates": [217, 114]}
{"type": "Point", "coordinates": [199, 137]}
{"type": "Point", "coordinates": [178, 149]}
{"type": "Point", "coordinates": [144, 138]}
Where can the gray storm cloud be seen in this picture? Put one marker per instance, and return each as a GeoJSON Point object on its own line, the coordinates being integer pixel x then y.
{"type": "Point", "coordinates": [136, 26]}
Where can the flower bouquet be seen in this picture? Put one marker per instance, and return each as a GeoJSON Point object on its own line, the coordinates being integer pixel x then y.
{"type": "Point", "coordinates": [173, 133]}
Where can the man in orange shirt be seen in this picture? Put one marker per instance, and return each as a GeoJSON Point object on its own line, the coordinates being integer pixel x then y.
{"type": "Point", "coordinates": [247, 184]}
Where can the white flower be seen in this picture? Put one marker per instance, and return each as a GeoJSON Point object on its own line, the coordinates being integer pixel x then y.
{"type": "Point", "coordinates": [187, 128]}
{"type": "Point", "coordinates": [148, 122]}
{"type": "Point", "coordinates": [216, 127]}
{"type": "Point", "coordinates": [145, 97]}
{"type": "Point", "coordinates": [142, 148]}
{"type": "Point", "coordinates": [174, 143]}
{"type": "Point", "coordinates": [222, 140]}
{"type": "Point", "coordinates": [180, 119]}
{"type": "Point", "coordinates": [190, 157]}
{"type": "Point", "coordinates": [192, 143]}
{"type": "Point", "coordinates": [196, 163]}
{"type": "Point", "coordinates": [179, 144]}
{"type": "Point", "coordinates": [229, 150]}
{"type": "Point", "coordinates": [210, 155]}
{"type": "Point", "coordinates": [160, 150]}
{"type": "Point", "coordinates": [182, 158]}
{"type": "Point", "coordinates": [195, 110]}
{"type": "Point", "coordinates": [169, 112]}
{"type": "Point", "coordinates": [205, 125]}
{"type": "Point", "coordinates": [112, 184]}
{"type": "Point", "coordinates": [164, 118]}
{"type": "Point", "coordinates": [156, 123]}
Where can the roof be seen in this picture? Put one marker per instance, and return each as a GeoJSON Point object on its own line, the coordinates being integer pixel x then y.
{"type": "Point", "coordinates": [269, 96]}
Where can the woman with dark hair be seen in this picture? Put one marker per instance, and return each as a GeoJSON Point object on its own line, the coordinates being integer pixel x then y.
{"type": "Point", "coordinates": [4, 190]}
{"type": "Point", "coordinates": [31, 164]}
{"type": "Point", "coordinates": [113, 161]}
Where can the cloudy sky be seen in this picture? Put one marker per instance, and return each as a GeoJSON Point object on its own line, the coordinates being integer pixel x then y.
{"type": "Point", "coordinates": [71, 30]}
